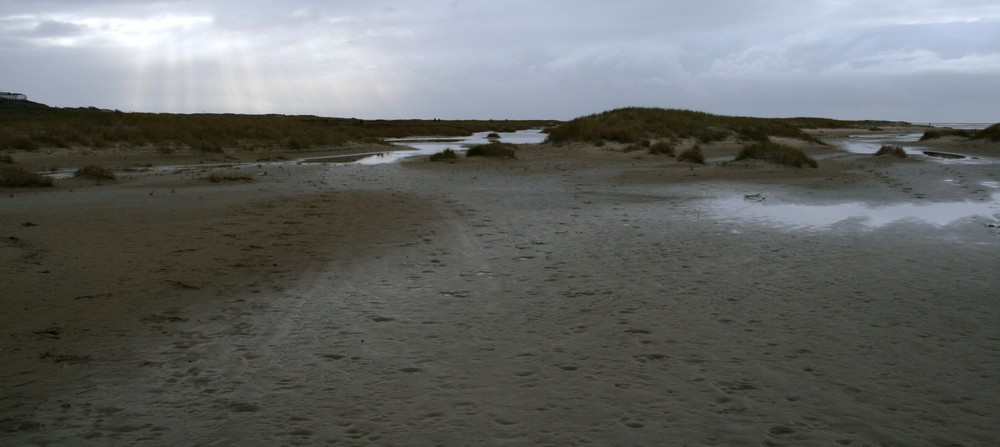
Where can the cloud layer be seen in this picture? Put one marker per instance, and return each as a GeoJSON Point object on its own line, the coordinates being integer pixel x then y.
{"type": "Point", "coordinates": [910, 60]}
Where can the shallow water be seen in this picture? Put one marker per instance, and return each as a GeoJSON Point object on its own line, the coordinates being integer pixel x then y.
{"type": "Point", "coordinates": [433, 145]}
{"type": "Point", "coordinates": [870, 144]}
{"type": "Point", "coordinates": [812, 216]}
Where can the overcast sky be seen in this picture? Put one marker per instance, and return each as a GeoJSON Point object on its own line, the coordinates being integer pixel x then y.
{"type": "Point", "coordinates": [914, 60]}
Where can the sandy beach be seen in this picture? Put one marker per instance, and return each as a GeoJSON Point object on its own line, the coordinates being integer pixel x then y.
{"type": "Point", "coordinates": [572, 296]}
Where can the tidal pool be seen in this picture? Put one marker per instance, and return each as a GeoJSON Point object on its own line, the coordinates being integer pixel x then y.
{"type": "Point", "coordinates": [811, 216]}
{"type": "Point", "coordinates": [870, 144]}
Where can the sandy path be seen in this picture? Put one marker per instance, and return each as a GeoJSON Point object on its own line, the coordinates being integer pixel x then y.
{"type": "Point", "coordinates": [539, 301]}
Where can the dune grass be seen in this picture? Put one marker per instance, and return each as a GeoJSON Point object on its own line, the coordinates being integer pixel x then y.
{"type": "Point", "coordinates": [776, 153]}
{"type": "Point", "coordinates": [662, 148]}
{"type": "Point", "coordinates": [932, 134]}
{"type": "Point", "coordinates": [447, 154]}
{"type": "Point", "coordinates": [829, 123]}
{"type": "Point", "coordinates": [94, 172]}
{"type": "Point", "coordinates": [638, 124]}
{"type": "Point", "coordinates": [991, 133]}
{"type": "Point", "coordinates": [891, 150]}
{"type": "Point", "coordinates": [36, 128]}
{"type": "Point", "coordinates": [493, 149]}
{"type": "Point", "coordinates": [692, 155]}
{"type": "Point", "coordinates": [19, 177]}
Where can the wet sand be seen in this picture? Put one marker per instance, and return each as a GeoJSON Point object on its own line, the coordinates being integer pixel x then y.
{"type": "Point", "coordinates": [572, 296]}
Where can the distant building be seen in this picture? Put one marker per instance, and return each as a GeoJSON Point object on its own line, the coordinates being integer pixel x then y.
{"type": "Point", "coordinates": [9, 95]}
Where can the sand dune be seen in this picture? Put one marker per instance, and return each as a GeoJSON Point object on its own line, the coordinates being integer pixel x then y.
{"type": "Point", "coordinates": [572, 296]}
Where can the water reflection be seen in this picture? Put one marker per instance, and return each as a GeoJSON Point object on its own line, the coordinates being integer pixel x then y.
{"type": "Point", "coordinates": [433, 145]}
{"type": "Point", "coordinates": [807, 216]}
{"type": "Point", "coordinates": [870, 144]}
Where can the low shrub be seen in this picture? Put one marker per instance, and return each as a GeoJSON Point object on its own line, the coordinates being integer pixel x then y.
{"type": "Point", "coordinates": [776, 153]}
{"type": "Point", "coordinates": [94, 172]}
{"type": "Point", "coordinates": [693, 155]}
{"type": "Point", "coordinates": [662, 148]}
{"type": "Point", "coordinates": [493, 136]}
{"type": "Point", "coordinates": [891, 150]}
{"type": "Point", "coordinates": [19, 177]}
{"type": "Point", "coordinates": [493, 149]}
{"type": "Point", "coordinates": [447, 154]}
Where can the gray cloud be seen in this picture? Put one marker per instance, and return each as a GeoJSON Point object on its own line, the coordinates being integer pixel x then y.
{"type": "Point", "coordinates": [913, 60]}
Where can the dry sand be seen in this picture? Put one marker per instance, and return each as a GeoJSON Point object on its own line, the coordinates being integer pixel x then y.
{"type": "Point", "coordinates": [573, 296]}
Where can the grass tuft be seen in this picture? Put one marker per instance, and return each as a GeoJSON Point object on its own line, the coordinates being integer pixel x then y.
{"type": "Point", "coordinates": [693, 155]}
{"type": "Point", "coordinates": [19, 177]}
{"type": "Point", "coordinates": [776, 153]}
{"type": "Point", "coordinates": [94, 172]}
{"type": "Point", "coordinates": [891, 150]}
{"type": "Point", "coordinates": [662, 148]}
{"type": "Point", "coordinates": [447, 154]}
{"type": "Point", "coordinates": [493, 149]}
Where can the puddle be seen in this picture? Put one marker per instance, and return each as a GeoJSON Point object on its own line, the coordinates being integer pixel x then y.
{"type": "Point", "coordinates": [433, 145]}
{"type": "Point", "coordinates": [803, 216]}
{"type": "Point", "coordinates": [945, 155]}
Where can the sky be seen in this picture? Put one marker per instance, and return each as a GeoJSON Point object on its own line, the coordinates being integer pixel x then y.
{"type": "Point", "coordinates": [912, 60]}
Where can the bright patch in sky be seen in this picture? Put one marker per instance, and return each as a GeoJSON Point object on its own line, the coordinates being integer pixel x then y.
{"type": "Point", "coordinates": [911, 60]}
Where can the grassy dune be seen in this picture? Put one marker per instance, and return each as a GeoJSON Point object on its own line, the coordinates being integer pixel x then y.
{"type": "Point", "coordinates": [637, 124]}
{"type": "Point", "coordinates": [991, 133]}
{"type": "Point", "coordinates": [33, 128]}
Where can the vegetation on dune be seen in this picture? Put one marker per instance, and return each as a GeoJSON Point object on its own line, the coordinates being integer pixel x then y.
{"type": "Point", "coordinates": [17, 176]}
{"type": "Point", "coordinates": [662, 148]}
{"type": "Point", "coordinates": [932, 134]}
{"type": "Point", "coordinates": [991, 133]}
{"type": "Point", "coordinates": [891, 150]}
{"type": "Point", "coordinates": [775, 153]}
{"type": "Point", "coordinates": [493, 149]}
{"type": "Point", "coordinates": [638, 124]}
{"type": "Point", "coordinates": [693, 155]}
{"type": "Point", "coordinates": [27, 129]}
{"type": "Point", "coordinates": [829, 123]}
{"type": "Point", "coordinates": [94, 172]}
{"type": "Point", "coordinates": [447, 154]}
